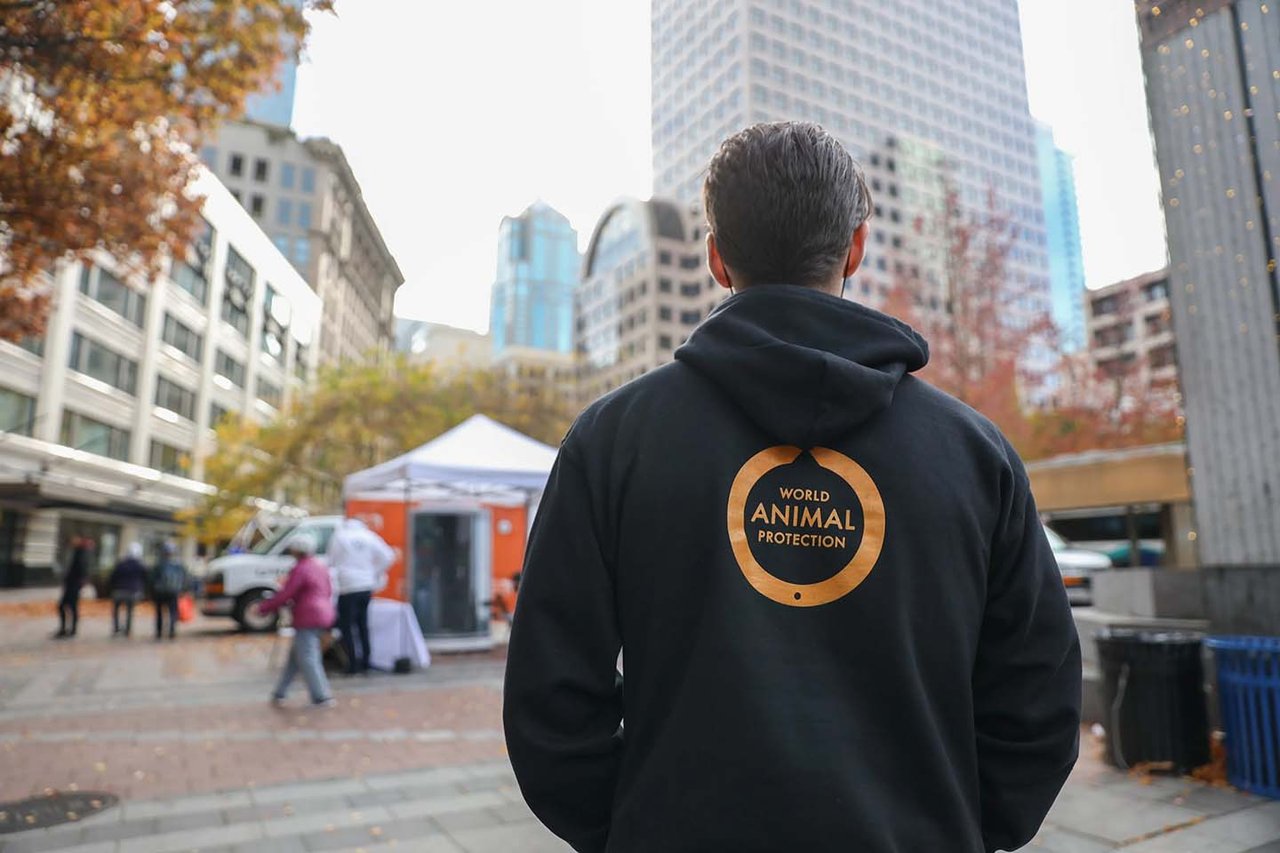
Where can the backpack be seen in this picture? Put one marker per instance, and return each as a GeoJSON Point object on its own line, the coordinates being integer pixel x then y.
{"type": "Point", "coordinates": [171, 579]}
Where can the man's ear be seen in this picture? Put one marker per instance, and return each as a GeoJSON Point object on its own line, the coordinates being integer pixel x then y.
{"type": "Point", "coordinates": [715, 263]}
{"type": "Point", "coordinates": [857, 249]}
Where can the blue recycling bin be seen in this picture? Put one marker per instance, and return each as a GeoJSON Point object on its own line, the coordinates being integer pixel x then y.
{"type": "Point", "coordinates": [1249, 692]}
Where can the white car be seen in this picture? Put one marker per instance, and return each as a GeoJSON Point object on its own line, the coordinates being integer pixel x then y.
{"type": "Point", "coordinates": [235, 583]}
{"type": "Point", "coordinates": [1077, 566]}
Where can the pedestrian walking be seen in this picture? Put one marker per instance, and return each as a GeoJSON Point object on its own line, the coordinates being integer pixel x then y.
{"type": "Point", "coordinates": [128, 583]}
{"type": "Point", "coordinates": [168, 582]}
{"type": "Point", "coordinates": [76, 575]}
{"type": "Point", "coordinates": [309, 593]}
{"type": "Point", "coordinates": [842, 624]}
{"type": "Point", "coordinates": [360, 559]}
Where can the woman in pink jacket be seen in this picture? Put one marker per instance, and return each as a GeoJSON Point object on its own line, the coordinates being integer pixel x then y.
{"type": "Point", "coordinates": [309, 591]}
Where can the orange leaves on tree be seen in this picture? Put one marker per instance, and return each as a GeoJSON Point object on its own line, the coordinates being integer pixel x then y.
{"type": "Point", "coordinates": [102, 103]}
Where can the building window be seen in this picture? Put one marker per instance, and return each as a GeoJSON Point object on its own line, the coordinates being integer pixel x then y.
{"type": "Point", "coordinates": [284, 211]}
{"type": "Point", "coordinates": [167, 459]}
{"type": "Point", "coordinates": [690, 288]}
{"type": "Point", "coordinates": [217, 414]}
{"type": "Point", "coordinates": [690, 262]}
{"type": "Point", "coordinates": [300, 357]}
{"type": "Point", "coordinates": [308, 179]}
{"type": "Point", "coordinates": [238, 294]}
{"type": "Point", "coordinates": [172, 396]}
{"type": "Point", "coordinates": [664, 342]}
{"type": "Point", "coordinates": [690, 318]}
{"type": "Point", "coordinates": [190, 279]}
{"type": "Point", "coordinates": [664, 285]}
{"type": "Point", "coordinates": [256, 204]}
{"type": "Point", "coordinates": [237, 165]}
{"type": "Point", "coordinates": [181, 337]}
{"type": "Point", "coordinates": [664, 313]}
{"type": "Point", "coordinates": [269, 393]}
{"type": "Point", "coordinates": [304, 214]}
{"type": "Point", "coordinates": [84, 433]}
{"type": "Point", "coordinates": [286, 175]}
{"type": "Point", "coordinates": [301, 250]}
{"type": "Point", "coordinates": [106, 365]}
{"type": "Point", "coordinates": [17, 412]}
{"type": "Point", "coordinates": [664, 258]}
{"type": "Point", "coordinates": [275, 320]}
{"type": "Point", "coordinates": [226, 366]}
{"type": "Point", "coordinates": [260, 170]}
{"type": "Point", "coordinates": [107, 290]}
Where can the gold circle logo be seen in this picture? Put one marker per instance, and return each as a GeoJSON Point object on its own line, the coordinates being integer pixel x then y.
{"type": "Point", "coordinates": [846, 579]}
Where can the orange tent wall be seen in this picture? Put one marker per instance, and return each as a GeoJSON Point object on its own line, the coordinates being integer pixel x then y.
{"type": "Point", "coordinates": [387, 519]}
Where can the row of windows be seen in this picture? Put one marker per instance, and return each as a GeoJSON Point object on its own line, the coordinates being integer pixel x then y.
{"type": "Point", "coordinates": [172, 396]}
{"type": "Point", "coordinates": [84, 433]}
{"type": "Point", "coordinates": [289, 173]}
{"type": "Point", "coordinates": [181, 337]}
{"type": "Point", "coordinates": [106, 365]}
{"type": "Point", "coordinates": [285, 213]}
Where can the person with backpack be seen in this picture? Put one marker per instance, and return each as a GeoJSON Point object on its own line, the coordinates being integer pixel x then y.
{"type": "Point", "coordinates": [167, 583]}
{"type": "Point", "coordinates": [128, 582]}
{"type": "Point", "coordinates": [309, 592]}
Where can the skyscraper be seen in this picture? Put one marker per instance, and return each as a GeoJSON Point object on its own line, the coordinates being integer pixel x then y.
{"type": "Point", "coordinates": [1211, 71]}
{"type": "Point", "coordinates": [532, 302]}
{"type": "Point", "coordinates": [274, 105]}
{"type": "Point", "coordinates": [945, 75]}
{"type": "Point", "coordinates": [1062, 232]}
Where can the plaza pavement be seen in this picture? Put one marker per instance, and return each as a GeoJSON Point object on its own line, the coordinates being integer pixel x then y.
{"type": "Point", "coordinates": [182, 733]}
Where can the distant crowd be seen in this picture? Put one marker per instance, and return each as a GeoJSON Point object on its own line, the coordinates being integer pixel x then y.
{"type": "Point", "coordinates": [167, 584]}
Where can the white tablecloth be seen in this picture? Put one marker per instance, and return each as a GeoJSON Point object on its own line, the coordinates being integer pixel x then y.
{"type": "Point", "coordinates": [394, 633]}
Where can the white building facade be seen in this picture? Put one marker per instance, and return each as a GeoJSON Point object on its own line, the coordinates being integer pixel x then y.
{"type": "Point", "coordinates": [107, 419]}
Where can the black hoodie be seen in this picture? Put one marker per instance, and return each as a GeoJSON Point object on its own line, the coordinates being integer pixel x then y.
{"type": "Point", "coordinates": [842, 624]}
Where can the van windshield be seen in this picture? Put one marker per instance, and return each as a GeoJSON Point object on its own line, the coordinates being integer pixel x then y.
{"type": "Point", "coordinates": [266, 545]}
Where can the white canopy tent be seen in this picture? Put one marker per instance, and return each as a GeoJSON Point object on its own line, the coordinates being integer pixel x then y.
{"type": "Point", "coordinates": [478, 458]}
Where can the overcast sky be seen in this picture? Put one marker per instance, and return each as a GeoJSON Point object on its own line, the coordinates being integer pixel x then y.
{"type": "Point", "coordinates": [454, 115]}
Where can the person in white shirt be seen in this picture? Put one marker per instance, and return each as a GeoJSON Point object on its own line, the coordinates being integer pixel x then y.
{"type": "Point", "coordinates": [359, 559]}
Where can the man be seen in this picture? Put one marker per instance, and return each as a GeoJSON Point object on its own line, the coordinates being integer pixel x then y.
{"type": "Point", "coordinates": [360, 559]}
{"type": "Point", "coordinates": [168, 582]}
{"type": "Point", "coordinates": [842, 623]}
{"type": "Point", "coordinates": [76, 575]}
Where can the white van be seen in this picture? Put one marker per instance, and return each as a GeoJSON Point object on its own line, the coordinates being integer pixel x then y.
{"type": "Point", "coordinates": [236, 582]}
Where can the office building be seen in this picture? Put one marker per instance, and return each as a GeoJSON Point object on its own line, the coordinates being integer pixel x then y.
{"type": "Point", "coordinates": [644, 288]}
{"type": "Point", "coordinates": [303, 193]}
{"type": "Point", "coordinates": [1211, 71]}
{"type": "Point", "coordinates": [532, 301]}
{"type": "Point", "coordinates": [1130, 330]}
{"type": "Point", "coordinates": [879, 76]}
{"type": "Point", "coordinates": [107, 418]}
{"type": "Point", "coordinates": [1062, 233]}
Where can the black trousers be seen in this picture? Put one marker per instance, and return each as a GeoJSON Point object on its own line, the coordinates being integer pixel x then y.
{"type": "Point", "coordinates": [126, 604]}
{"type": "Point", "coordinates": [353, 619]}
{"type": "Point", "coordinates": [69, 611]}
{"type": "Point", "coordinates": [166, 604]}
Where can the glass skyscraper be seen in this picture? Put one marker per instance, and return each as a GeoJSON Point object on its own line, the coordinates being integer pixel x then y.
{"type": "Point", "coordinates": [532, 303]}
{"type": "Point", "coordinates": [1062, 231]}
{"type": "Point", "coordinates": [942, 78]}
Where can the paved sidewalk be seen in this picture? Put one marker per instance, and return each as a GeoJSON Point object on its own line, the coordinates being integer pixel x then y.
{"type": "Point", "coordinates": [182, 733]}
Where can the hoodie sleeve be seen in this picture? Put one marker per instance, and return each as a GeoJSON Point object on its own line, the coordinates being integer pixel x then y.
{"type": "Point", "coordinates": [1026, 681]}
{"type": "Point", "coordinates": [561, 711]}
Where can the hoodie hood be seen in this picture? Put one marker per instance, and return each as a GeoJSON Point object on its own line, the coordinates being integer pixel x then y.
{"type": "Point", "coordinates": [804, 366]}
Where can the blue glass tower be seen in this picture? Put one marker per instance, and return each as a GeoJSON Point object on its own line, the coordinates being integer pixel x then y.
{"type": "Point", "coordinates": [271, 106]}
{"type": "Point", "coordinates": [1062, 230]}
{"type": "Point", "coordinates": [537, 273]}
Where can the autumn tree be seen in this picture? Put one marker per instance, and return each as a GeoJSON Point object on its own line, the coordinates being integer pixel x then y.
{"type": "Point", "coordinates": [357, 416]}
{"type": "Point", "coordinates": [995, 347]}
{"type": "Point", "coordinates": [102, 103]}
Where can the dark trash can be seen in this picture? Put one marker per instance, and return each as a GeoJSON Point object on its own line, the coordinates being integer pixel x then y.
{"type": "Point", "coordinates": [1153, 698]}
{"type": "Point", "coordinates": [1249, 695]}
